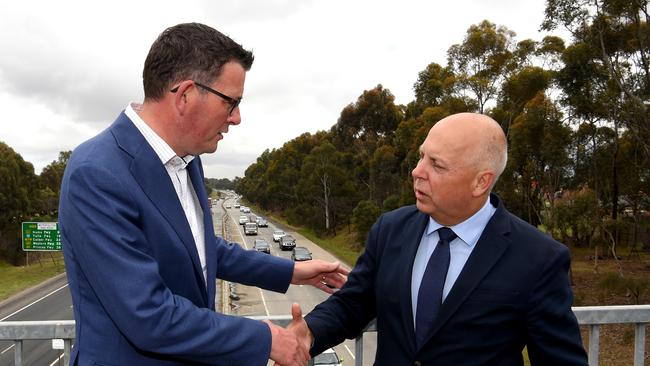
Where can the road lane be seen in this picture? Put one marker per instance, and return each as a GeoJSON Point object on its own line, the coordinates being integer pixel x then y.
{"type": "Point", "coordinates": [52, 302]}
{"type": "Point", "coordinates": [254, 301]}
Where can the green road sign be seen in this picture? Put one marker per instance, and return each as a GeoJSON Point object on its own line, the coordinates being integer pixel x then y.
{"type": "Point", "coordinates": [41, 236]}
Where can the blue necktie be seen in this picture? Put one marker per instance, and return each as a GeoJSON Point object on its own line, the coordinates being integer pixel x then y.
{"type": "Point", "coordinates": [433, 282]}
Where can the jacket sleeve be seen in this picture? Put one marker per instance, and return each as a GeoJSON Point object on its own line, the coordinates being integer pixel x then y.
{"type": "Point", "coordinates": [348, 311]}
{"type": "Point", "coordinates": [552, 329]}
{"type": "Point", "coordinates": [252, 268]}
{"type": "Point", "coordinates": [101, 224]}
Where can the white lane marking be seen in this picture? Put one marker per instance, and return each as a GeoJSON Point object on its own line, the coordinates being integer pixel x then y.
{"type": "Point", "coordinates": [246, 246]}
{"type": "Point", "coordinates": [57, 360]}
{"type": "Point", "coordinates": [26, 306]}
{"type": "Point", "coordinates": [7, 349]}
{"type": "Point", "coordinates": [346, 347]}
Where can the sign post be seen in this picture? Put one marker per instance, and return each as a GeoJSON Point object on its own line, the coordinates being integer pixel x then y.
{"type": "Point", "coordinates": [41, 236]}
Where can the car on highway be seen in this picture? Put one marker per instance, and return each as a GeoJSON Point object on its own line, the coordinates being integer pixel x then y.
{"type": "Point", "coordinates": [247, 210]}
{"type": "Point", "coordinates": [237, 205]}
{"type": "Point", "coordinates": [277, 234]}
{"type": "Point", "coordinates": [328, 358]}
{"type": "Point", "coordinates": [287, 242]}
{"type": "Point", "coordinates": [243, 219]}
{"type": "Point", "coordinates": [261, 222]}
{"type": "Point", "coordinates": [262, 245]}
{"type": "Point", "coordinates": [250, 228]}
{"type": "Point", "coordinates": [300, 254]}
{"type": "Point", "coordinates": [228, 206]}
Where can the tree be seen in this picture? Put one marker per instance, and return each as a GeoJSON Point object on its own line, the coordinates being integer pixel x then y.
{"type": "Point", "coordinates": [481, 61]}
{"type": "Point", "coordinates": [538, 157]}
{"type": "Point", "coordinates": [51, 177]}
{"type": "Point", "coordinates": [19, 199]}
{"type": "Point", "coordinates": [320, 173]}
{"type": "Point", "coordinates": [363, 217]}
{"type": "Point", "coordinates": [434, 84]}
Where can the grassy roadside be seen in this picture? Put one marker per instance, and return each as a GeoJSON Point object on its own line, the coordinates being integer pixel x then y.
{"type": "Point", "coordinates": [15, 279]}
{"type": "Point", "coordinates": [338, 245]}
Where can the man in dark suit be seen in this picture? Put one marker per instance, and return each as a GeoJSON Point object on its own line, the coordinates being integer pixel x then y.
{"type": "Point", "coordinates": [140, 250]}
{"type": "Point", "coordinates": [456, 279]}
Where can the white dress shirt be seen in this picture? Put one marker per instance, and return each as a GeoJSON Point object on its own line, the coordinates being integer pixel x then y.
{"type": "Point", "coordinates": [468, 232]}
{"type": "Point", "coordinates": [176, 168]}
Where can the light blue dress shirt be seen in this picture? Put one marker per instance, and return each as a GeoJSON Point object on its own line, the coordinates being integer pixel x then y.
{"type": "Point", "coordinates": [468, 232]}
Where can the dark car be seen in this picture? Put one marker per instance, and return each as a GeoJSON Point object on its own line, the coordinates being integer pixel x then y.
{"type": "Point", "coordinates": [262, 246]}
{"type": "Point", "coordinates": [287, 242]}
{"type": "Point", "coordinates": [300, 254]}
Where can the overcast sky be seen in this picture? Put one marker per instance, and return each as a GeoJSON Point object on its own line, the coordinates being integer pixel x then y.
{"type": "Point", "coordinates": [67, 68]}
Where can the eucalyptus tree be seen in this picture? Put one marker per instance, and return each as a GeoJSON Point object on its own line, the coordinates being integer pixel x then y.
{"type": "Point", "coordinates": [481, 61]}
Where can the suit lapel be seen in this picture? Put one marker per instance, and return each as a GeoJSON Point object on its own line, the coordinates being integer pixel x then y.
{"type": "Point", "coordinates": [196, 176]}
{"type": "Point", "coordinates": [154, 180]}
{"type": "Point", "coordinates": [489, 248]}
{"type": "Point", "coordinates": [413, 230]}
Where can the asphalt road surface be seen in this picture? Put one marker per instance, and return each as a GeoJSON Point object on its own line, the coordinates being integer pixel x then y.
{"type": "Point", "coordinates": [51, 300]}
{"type": "Point", "coordinates": [48, 301]}
{"type": "Point", "coordinates": [254, 301]}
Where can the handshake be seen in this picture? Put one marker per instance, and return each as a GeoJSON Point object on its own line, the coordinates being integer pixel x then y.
{"type": "Point", "coordinates": [290, 346]}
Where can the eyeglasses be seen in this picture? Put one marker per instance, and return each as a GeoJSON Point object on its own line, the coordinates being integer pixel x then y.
{"type": "Point", "coordinates": [234, 103]}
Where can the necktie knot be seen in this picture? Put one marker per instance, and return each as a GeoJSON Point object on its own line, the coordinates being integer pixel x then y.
{"type": "Point", "coordinates": [446, 234]}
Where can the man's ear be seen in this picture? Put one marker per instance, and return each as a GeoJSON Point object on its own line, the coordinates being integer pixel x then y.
{"type": "Point", "coordinates": [181, 96]}
{"type": "Point", "coordinates": [483, 182]}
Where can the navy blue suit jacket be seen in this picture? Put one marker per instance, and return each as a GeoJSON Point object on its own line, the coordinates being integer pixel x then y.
{"type": "Point", "coordinates": [513, 292]}
{"type": "Point", "coordinates": [137, 288]}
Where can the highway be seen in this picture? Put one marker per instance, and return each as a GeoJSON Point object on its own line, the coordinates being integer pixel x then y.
{"type": "Point", "coordinates": [51, 300]}
{"type": "Point", "coordinates": [254, 301]}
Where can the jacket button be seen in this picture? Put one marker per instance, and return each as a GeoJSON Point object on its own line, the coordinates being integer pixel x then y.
{"type": "Point", "coordinates": [417, 363]}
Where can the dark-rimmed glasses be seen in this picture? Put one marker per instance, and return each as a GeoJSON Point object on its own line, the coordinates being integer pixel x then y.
{"type": "Point", "coordinates": [234, 103]}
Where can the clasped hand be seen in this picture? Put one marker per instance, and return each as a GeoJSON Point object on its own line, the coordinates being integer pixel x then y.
{"type": "Point", "coordinates": [290, 346]}
{"type": "Point", "coordinates": [320, 274]}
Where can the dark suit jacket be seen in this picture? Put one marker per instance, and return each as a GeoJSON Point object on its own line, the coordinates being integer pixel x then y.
{"type": "Point", "coordinates": [137, 288]}
{"type": "Point", "coordinates": [513, 292]}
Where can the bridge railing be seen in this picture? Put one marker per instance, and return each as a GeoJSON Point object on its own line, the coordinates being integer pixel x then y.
{"type": "Point", "coordinates": [590, 316]}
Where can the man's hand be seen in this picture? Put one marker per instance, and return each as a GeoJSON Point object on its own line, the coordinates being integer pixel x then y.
{"type": "Point", "coordinates": [320, 274]}
{"type": "Point", "coordinates": [290, 346]}
{"type": "Point", "coordinates": [299, 327]}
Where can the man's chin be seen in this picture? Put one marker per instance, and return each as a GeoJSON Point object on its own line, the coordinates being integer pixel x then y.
{"type": "Point", "coordinates": [214, 148]}
{"type": "Point", "coordinates": [422, 207]}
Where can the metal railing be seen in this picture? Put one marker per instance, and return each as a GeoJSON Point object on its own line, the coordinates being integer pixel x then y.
{"type": "Point", "coordinates": [590, 316]}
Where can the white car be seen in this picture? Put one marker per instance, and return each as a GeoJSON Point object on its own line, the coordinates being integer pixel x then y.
{"type": "Point", "coordinates": [277, 234]}
{"type": "Point", "coordinates": [328, 358]}
{"type": "Point", "coordinates": [243, 219]}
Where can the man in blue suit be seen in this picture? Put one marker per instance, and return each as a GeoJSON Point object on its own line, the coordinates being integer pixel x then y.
{"type": "Point", "coordinates": [139, 245]}
{"type": "Point", "coordinates": [456, 279]}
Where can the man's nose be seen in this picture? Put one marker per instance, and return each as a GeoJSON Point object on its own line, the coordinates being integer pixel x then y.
{"type": "Point", "coordinates": [235, 116]}
{"type": "Point", "coordinates": [417, 171]}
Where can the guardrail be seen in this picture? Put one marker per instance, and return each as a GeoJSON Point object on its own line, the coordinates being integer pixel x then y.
{"type": "Point", "coordinates": [590, 316]}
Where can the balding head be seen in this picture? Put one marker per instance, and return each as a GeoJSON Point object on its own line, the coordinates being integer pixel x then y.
{"type": "Point", "coordinates": [461, 160]}
{"type": "Point", "coordinates": [480, 138]}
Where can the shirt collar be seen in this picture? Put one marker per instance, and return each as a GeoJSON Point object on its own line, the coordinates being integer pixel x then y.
{"type": "Point", "coordinates": [469, 230]}
{"type": "Point", "coordinates": [165, 153]}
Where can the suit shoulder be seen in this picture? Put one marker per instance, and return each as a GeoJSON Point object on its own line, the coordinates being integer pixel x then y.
{"type": "Point", "coordinates": [100, 150]}
{"type": "Point", "coordinates": [523, 232]}
{"type": "Point", "coordinates": [399, 215]}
